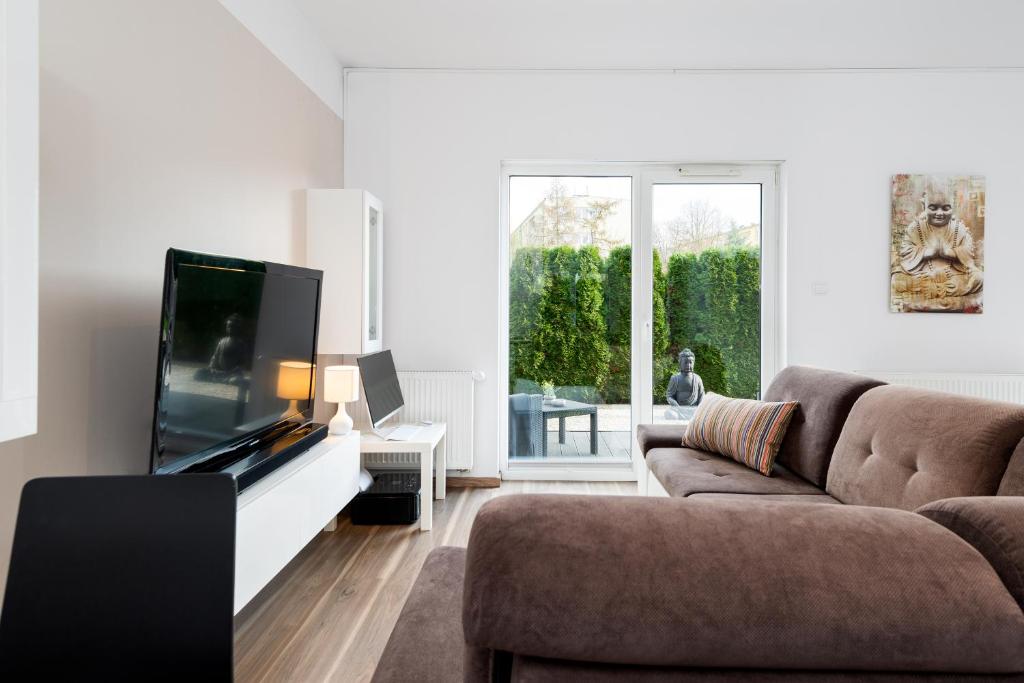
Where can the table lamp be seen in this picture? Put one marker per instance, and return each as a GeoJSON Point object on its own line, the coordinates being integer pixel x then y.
{"type": "Point", "coordinates": [294, 382]}
{"type": "Point", "coordinates": [341, 386]}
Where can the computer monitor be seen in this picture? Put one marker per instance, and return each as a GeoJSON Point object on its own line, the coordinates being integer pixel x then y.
{"type": "Point", "coordinates": [380, 386]}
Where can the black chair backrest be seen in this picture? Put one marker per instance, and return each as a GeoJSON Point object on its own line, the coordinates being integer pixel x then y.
{"type": "Point", "coordinates": [121, 578]}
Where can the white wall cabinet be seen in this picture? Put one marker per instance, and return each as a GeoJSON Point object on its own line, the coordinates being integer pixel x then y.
{"type": "Point", "coordinates": [345, 239]}
{"type": "Point", "coordinates": [19, 216]}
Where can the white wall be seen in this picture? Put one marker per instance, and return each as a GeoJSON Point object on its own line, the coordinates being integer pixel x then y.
{"type": "Point", "coordinates": [162, 124]}
{"type": "Point", "coordinates": [429, 145]}
{"type": "Point", "coordinates": [291, 37]}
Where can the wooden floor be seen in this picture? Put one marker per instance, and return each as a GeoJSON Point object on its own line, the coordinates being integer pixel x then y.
{"type": "Point", "coordinates": [329, 613]}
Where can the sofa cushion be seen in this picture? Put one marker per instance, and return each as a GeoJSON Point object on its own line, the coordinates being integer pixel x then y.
{"type": "Point", "coordinates": [903, 447]}
{"type": "Point", "coordinates": [777, 497]}
{"type": "Point", "coordinates": [427, 640]}
{"type": "Point", "coordinates": [994, 526]}
{"type": "Point", "coordinates": [1013, 479]}
{"type": "Point", "coordinates": [685, 471]}
{"type": "Point", "coordinates": [825, 398]}
{"type": "Point", "coordinates": [767, 585]}
{"type": "Point", "coordinates": [747, 431]}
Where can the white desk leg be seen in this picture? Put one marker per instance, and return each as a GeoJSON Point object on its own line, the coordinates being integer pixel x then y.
{"type": "Point", "coordinates": [426, 500]}
{"type": "Point", "coordinates": [442, 468]}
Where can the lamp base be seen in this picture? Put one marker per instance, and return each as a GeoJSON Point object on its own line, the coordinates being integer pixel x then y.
{"type": "Point", "coordinates": [292, 409]}
{"type": "Point", "coordinates": [341, 423]}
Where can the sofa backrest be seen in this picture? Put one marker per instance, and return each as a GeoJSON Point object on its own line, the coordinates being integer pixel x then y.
{"type": "Point", "coordinates": [826, 398]}
{"type": "Point", "coordinates": [903, 447]}
{"type": "Point", "coordinates": [1013, 480]}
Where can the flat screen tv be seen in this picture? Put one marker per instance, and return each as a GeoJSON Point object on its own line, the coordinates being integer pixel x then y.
{"type": "Point", "coordinates": [236, 369]}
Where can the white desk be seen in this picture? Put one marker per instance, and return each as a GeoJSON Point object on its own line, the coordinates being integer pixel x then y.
{"type": "Point", "coordinates": [429, 443]}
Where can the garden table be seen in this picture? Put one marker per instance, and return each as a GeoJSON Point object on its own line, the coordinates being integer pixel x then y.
{"type": "Point", "coordinates": [570, 409]}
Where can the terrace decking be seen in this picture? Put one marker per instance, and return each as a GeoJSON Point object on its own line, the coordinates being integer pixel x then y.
{"type": "Point", "coordinates": [614, 434]}
{"type": "Point", "coordinates": [577, 445]}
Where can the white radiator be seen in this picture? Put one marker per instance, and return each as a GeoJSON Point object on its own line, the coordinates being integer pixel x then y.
{"type": "Point", "coordinates": [997, 387]}
{"type": "Point", "coordinates": [440, 396]}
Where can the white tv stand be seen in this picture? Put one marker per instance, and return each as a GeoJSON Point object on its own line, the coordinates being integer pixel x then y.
{"type": "Point", "coordinates": [282, 512]}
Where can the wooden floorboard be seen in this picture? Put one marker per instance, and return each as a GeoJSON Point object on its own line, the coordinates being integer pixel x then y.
{"type": "Point", "coordinates": [328, 615]}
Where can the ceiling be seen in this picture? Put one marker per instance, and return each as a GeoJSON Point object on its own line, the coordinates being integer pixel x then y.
{"type": "Point", "coordinates": [666, 34]}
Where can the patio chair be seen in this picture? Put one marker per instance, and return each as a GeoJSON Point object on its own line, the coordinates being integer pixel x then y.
{"type": "Point", "coordinates": [525, 425]}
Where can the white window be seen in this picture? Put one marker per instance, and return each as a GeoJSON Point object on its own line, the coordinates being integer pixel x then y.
{"type": "Point", "coordinates": [624, 267]}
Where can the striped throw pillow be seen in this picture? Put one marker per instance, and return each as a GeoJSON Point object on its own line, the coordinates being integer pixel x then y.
{"type": "Point", "coordinates": [749, 432]}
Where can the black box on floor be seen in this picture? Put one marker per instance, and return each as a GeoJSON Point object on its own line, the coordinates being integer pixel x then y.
{"type": "Point", "coordinates": [394, 498]}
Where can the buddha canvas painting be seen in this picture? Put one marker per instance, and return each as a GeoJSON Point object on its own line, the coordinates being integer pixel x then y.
{"type": "Point", "coordinates": [937, 244]}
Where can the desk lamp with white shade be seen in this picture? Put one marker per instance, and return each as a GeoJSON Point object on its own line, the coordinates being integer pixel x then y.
{"type": "Point", "coordinates": [341, 386]}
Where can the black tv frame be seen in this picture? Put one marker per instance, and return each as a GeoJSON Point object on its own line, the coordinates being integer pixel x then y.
{"type": "Point", "coordinates": [250, 456]}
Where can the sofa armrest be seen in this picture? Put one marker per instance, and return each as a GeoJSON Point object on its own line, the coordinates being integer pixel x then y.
{"type": "Point", "coordinates": [994, 525]}
{"type": "Point", "coordinates": [718, 583]}
{"type": "Point", "coordinates": [659, 436]}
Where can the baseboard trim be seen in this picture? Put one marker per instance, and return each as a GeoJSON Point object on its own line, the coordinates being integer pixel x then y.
{"type": "Point", "coordinates": [569, 473]}
{"type": "Point", "coordinates": [473, 482]}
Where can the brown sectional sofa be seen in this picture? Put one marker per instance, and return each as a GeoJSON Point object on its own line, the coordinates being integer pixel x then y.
{"type": "Point", "coordinates": [857, 441]}
{"type": "Point", "coordinates": [826, 399]}
{"type": "Point", "coordinates": [913, 571]}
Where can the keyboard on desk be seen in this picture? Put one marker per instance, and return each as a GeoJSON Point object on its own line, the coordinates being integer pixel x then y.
{"type": "Point", "coordinates": [404, 433]}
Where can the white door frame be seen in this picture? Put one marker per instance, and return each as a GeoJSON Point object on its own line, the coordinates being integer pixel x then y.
{"type": "Point", "coordinates": [19, 218]}
{"type": "Point", "coordinates": [644, 175]}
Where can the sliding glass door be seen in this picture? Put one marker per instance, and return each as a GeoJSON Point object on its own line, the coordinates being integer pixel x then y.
{"type": "Point", "coordinates": [569, 304]}
{"type": "Point", "coordinates": [706, 284]}
{"type": "Point", "coordinates": [629, 292]}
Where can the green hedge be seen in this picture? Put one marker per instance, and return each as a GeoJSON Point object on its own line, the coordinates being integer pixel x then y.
{"type": "Point", "coordinates": [526, 284]}
{"type": "Point", "coordinates": [714, 308]}
{"type": "Point", "coordinates": [617, 294]}
{"type": "Point", "coordinates": [592, 354]}
{"type": "Point", "coordinates": [569, 320]}
{"type": "Point", "coordinates": [745, 354]}
{"type": "Point", "coordinates": [664, 365]}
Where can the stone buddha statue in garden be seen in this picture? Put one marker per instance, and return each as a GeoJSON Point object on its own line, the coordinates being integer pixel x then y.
{"type": "Point", "coordinates": [685, 389]}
